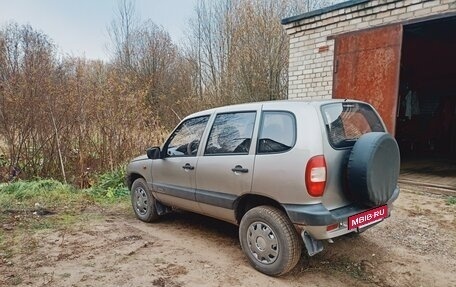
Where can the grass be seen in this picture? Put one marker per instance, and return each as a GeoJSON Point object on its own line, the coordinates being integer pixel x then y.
{"type": "Point", "coordinates": [451, 200]}
{"type": "Point", "coordinates": [28, 207]}
{"type": "Point", "coordinates": [23, 196]}
{"type": "Point", "coordinates": [52, 195]}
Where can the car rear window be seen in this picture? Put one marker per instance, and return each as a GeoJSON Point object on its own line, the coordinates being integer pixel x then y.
{"type": "Point", "coordinates": [346, 122]}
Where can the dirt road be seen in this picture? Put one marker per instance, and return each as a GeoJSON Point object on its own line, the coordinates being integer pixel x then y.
{"type": "Point", "coordinates": [415, 247]}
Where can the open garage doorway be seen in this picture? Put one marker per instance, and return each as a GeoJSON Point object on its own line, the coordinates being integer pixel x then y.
{"type": "Point", "coordinates": [426, 108]}
{"type": "Point", "coordinates": [408, 73]}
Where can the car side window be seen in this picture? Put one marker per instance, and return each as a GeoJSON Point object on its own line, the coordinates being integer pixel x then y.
{"type": "Point", "coordinates": [277, 132]}
{"type": "Point", "coordinates": [186, 138]}
{"type": "Point", "coordinates": [231, 133]}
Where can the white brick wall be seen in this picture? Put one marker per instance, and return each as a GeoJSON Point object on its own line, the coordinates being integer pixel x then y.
{"type": "Point", "coordinates": [311, 68]}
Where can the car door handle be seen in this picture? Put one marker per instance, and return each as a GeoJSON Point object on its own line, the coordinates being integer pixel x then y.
{"type": "Point", "coordinates": [187, 166]}
{"type": "Point", "coordinates": [239, 168]}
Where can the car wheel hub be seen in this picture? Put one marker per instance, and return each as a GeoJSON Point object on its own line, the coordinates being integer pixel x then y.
{"type": "Point", "coordinates": [262, 242]}
{"type": "Point", "coordinates": [141, 201]}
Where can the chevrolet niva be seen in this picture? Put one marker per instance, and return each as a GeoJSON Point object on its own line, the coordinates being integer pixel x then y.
{"type": "Point", "coordinates": [287, 172]}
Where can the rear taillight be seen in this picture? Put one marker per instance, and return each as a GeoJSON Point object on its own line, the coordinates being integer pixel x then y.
{"type": "Point", "coordinates": [316, 176]}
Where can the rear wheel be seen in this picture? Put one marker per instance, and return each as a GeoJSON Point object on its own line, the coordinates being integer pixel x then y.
{"type": "Point", "coordinates": [143, 201]}
{"type": "Point", "coordinates": [269, 240]}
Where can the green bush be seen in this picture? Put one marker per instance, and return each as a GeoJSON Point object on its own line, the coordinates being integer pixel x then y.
{"type": "Point", "coordinates": [110, 185]}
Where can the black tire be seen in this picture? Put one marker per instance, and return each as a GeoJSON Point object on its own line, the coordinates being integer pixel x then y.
{"type": "Point", "coordinates": [373, 169]}
{"type": "Point", "coordinates": [269, 226]}
{"type": "Point", "coordinates": [143, 202]}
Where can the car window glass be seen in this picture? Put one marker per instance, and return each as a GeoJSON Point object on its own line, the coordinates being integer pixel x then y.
{"type": "Point", "coordinates": [346, 122]}
{"type": "Point", "coordinates": [185, 140]}
{"type": "Point", "coordinates": [277, 132]}
{"type": "Point", "coordinates": [231, 134]}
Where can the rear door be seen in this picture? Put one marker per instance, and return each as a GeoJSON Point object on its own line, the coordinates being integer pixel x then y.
{"type": "Point", "coordinates": [345, 123]}
{"type": "Point", "coordinates": [279, 168]}
{"type": "Point", "coordinates": [366, 68]}
{"type": "Point", "coordinates": [224, 170]}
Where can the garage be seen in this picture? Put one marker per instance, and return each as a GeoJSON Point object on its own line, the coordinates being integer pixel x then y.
{"type": "Point", "coordinates": [397, 55]}
{"type": "Point", "coordinates": [426, 114]}
{"type": "Point", "coordinates": [426, 122]}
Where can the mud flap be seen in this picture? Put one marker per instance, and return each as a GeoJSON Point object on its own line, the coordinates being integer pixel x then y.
{"type": "Point", "coordinates": [313, 246]}
{"type": "Point", "coordinates": [161, 208]}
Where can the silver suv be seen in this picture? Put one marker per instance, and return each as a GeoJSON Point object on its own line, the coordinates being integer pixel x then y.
{"type": "Point", "coordinates": [286, 172]}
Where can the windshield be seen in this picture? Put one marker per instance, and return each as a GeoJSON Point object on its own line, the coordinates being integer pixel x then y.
{"type": "Point", "coordinates": [346, 122]}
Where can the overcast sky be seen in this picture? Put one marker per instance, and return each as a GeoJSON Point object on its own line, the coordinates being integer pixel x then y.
{"type": "Point", "coordinates": [79, 27]}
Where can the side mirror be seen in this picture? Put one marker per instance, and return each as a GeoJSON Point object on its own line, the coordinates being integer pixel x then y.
{"type": "Point", "coordinates": [153, 153]}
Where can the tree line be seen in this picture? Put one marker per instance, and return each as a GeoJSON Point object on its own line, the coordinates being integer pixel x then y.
{"type": "Point", "coordinates": [68, 117]}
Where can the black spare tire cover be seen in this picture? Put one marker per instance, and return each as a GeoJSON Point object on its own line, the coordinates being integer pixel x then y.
{"type": "Point", "coordinates": [373, 169]}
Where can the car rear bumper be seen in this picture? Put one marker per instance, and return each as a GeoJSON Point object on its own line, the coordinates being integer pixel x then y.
{"type": "Point", "coordinates": [315, 218]}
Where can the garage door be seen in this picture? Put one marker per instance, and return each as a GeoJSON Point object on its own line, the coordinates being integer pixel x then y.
{"type": "Point", "coordinates": [366, 68]}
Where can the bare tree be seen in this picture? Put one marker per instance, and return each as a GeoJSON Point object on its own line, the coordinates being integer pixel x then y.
{"type": "Point", "coordinates": [239, 50]}
{"type": "Point", "coordinates": [26, 61]}
{"type": "Point", "coordinates": [121, 31]}
{"type": "Point", "coordinates": [67, 117]}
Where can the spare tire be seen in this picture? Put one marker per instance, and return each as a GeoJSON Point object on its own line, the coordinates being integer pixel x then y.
{"type": "Point", "coordinates": [373, 169]}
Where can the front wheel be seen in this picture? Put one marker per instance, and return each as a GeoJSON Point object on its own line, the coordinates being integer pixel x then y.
{"type": "Point", "coordinates": [269, 240]}
{"type": "Point", "coordinates": [143, 201]}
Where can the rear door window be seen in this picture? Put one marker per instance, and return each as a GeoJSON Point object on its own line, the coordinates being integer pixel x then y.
{"type": "Point", "coordinates": [277, 133]}
{"type": "Point", "coordinates": [231, 133]}
{"type": "Point", "coordinates": [346, 122]}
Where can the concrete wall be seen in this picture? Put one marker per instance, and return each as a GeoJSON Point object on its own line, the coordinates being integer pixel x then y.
{"type": "Point", "coordinates": [312, 52]}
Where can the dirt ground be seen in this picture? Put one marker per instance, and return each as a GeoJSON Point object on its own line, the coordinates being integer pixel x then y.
{"type": "Point", "coordinates": [415, 247]}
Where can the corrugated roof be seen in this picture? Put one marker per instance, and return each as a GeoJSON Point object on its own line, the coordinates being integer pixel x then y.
{"type": "Point", "coordinates": [322, 11]}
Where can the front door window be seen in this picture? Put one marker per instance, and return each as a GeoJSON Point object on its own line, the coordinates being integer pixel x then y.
{"type": "Point", "coordinates": [186, 138]}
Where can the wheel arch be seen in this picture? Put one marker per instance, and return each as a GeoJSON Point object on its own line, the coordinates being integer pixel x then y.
{"type": "Point", "coordinates": [249, 201]}
{"type": "Point", "coordinates": [131, 177]}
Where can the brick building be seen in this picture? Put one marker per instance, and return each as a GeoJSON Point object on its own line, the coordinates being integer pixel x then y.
{"type": "Point", "coordinates": [398, 55]}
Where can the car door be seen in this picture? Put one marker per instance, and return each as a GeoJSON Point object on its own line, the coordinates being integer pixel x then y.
{"type": "Point", "coordinates": [279, 168]}
{"type": "Point", "coordinates": [225, 168]}
{"type": "Point", "coordinates": [174, 175]}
